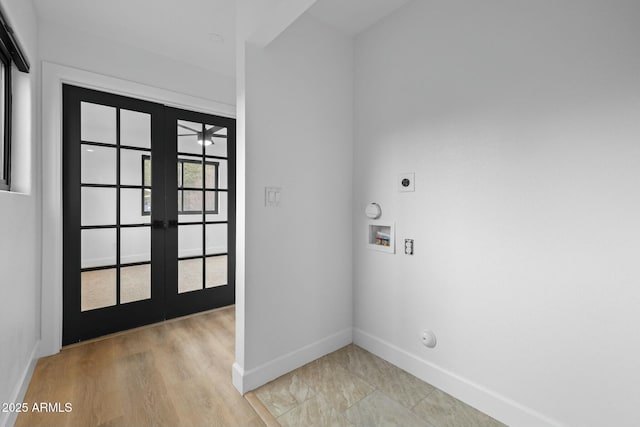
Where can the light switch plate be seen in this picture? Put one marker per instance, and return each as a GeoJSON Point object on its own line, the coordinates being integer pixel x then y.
{"type": "Point", "coordinates": [406, 182]}
{"type": "Point", "coordinates": [272, 196]}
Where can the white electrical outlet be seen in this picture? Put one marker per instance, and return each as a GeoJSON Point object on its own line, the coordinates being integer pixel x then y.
{"type": "Point", "coordinates": [408, 246]}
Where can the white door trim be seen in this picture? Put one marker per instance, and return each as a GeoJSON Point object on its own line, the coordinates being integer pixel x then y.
{"type": "Point", "coordinates": [53, 76]}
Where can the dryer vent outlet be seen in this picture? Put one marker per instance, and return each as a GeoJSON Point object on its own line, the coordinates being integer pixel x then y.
{"type": "Point", "coordinates": [429, 339]}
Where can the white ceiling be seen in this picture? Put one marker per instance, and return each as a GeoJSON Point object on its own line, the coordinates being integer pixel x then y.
{"type": "Point", "coordinates": [197, 32]}
{"type": "Point", "coordinates": [354, 16]}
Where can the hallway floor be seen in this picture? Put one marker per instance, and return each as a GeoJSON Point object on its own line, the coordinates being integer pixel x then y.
{"type": "Point", "coordinates": [352, 387]}
{"type": "Point", "coordinates": [175, 373]}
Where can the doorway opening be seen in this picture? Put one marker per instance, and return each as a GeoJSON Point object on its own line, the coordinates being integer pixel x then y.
{"type": "Point", "coordinates": [148, 212]}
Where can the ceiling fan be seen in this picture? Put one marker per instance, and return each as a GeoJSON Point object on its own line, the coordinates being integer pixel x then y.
{"type": "Point", "coordinates": [205, 139]}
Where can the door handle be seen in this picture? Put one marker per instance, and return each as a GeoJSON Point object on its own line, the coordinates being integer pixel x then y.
{"type": "Point", "coordinates": [159, 224]}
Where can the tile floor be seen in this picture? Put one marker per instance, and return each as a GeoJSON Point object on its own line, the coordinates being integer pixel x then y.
{"type": "Point", "coordinates": [352, 387]}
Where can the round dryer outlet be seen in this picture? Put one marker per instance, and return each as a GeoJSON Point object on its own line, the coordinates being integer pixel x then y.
{"type": "Point", "coordinates": [429, 339]}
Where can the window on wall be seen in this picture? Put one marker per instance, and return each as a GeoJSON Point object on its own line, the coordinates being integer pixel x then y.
{"type": "Point", "coordinates": [190, 186]}
{"type": "Point", "coordinates": [5, 120]}
{"type": "Point", "coordinates": [10, 54]}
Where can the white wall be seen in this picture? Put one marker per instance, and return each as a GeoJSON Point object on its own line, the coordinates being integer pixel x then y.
{"type": "Point", "coordinates": [521, 120]}
{"type": "Point", "coordinates": [72, 48]}
{"type": "Point", "coordinates": [20, 218]}
{"type": "Point", "coordinates": [299, 99]}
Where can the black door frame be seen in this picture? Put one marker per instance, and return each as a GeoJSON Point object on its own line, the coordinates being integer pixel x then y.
{"type": "Point", "coordinates": [164, 303]}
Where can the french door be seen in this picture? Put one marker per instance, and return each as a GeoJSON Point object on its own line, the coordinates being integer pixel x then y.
{"type": "Point", "coordinates": [148, 209]}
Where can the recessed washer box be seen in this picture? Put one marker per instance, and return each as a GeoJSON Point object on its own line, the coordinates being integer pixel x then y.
{"type": "Point", "coordinates": [381, 237]}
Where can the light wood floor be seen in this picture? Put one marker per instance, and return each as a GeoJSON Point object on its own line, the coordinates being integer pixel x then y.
{"type": "Point", "coordinates": [176, 373]}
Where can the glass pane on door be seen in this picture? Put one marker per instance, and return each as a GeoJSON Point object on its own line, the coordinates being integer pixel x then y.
{"type": "Point", "coordinates": [217, 206]}
{"type": "Point", "coordinates": [98, 289]}
{"type": "Point", "coordinates": [189, 137]}
{"type": "Point", "coordinates": [217, 174]}
{"type": "Point", "coordinates": [98, 206]}
{"type": "Point", "coordinates": [98, 247]}
{"type": "Point", "coordinates": [134, 166]}
{"type": "Point", "coordinates": [202, 207]}
{"type": "Point", "coordinates": [135, 129]}
{"type": "Point", "coordinates": [189, 275]}
{"type": "Point", "coordinates": [216, 238]}
{"type": "Point", "coordinates": [98, 164]}
{"type": "Point", "coordinates": [135, 206]}
{"type": "Point", "coordinates": [135, 245]}
{"type": "Point", "coordinates": [190, 258]}
{"type": "Point", "coordinates": [98, 278]}
{"type": "Point", "coordinates": [218, 137]}
{"type": "Point", "coordinates": [115, 206]}
{"type": "Point", "coordinates": [216, 271]}
{"type": "Point", "coordinates": [97, 123]}
{"type": "Point", "coordinates": [135, 283]}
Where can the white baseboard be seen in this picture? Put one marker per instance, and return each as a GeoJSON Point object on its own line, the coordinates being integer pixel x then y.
{"type": "Point", "coordinates": [245, 381]}
{"type": "Point", "coordinates": [237, 374]}
{"type": "Point", "coordinates": [499, 407]}
{"type": "Point", "coordinates": [20, 389]}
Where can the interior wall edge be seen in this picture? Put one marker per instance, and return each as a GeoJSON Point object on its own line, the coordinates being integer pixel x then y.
{"type": "Point", "coordinates": [498, 406]}
{"type": "Point", "coordinates": [277, 20]}
{"type": "Point", "coordinates": [251, 379]}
